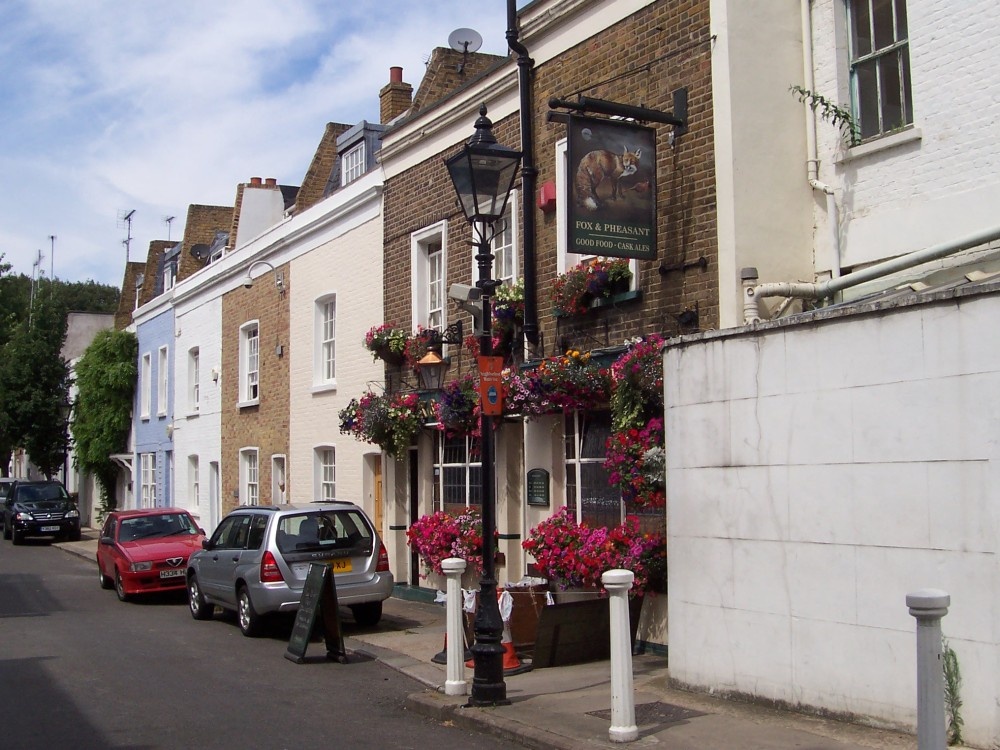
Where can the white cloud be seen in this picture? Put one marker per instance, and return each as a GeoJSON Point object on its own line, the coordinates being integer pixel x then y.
{"type": "Point", "coordinates": [158, 104]}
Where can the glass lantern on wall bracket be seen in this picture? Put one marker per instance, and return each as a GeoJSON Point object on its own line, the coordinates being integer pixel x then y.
{"type": "Point", "coordinates": [432, 366]}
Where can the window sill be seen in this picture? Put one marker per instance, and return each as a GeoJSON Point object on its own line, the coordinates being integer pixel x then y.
{"type": "Point", "coordinates": [324, 388]}
{"type": "Point", "coordinates": [192, 414]}
{"type": "Point", "coordinates": [245, 404]}
{"type": "Point", "coordinates": [909, 135]}
{"type": "Point", "coordinates": [616, 299]}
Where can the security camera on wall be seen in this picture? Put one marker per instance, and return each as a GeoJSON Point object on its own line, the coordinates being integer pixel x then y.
{"type": "Point", "coordinates": [465, 293]}
{"type": "Point", "coordinates": [469, 299]}
{"type": "Point", "coordinates": [248, 284]}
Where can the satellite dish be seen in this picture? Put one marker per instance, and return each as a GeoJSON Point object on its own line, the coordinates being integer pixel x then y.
{"type": "Point", "coordinates": [201, 251]}
{"type": "Point", "coordinates": [465, 40]}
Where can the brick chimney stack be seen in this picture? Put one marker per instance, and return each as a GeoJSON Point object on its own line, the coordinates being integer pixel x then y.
{"type": "Point", "coordinates": [396, 97]}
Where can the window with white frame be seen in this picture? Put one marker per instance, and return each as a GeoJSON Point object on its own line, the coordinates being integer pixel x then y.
{"type": "Point", "coordinates": [429, 261]}
{"type": "Point", "coordinates": [564, 259]}
{"type": "Point", "coordinates": [457, 473]}
{"type": "Point", "coordinates": [169, 275]}
{"type": "Point", "coordinates": [250, 362]}
{"type": "Point", "coordinates": [278, 486]}
{"type": "Point", "coordinates": [880, 66]}
{"type": "Point", "coordinates": [162, 382]}
{"type": "Point", "coordinates": [146, 387]}
{"type": "Point", "coordinates": [352, 164]}
{"type": "Point", "coordinates": [147, 480]}
{"type": "Point", "coordinates": [194, 379]}
{"type": "Point", "coordinates": [325, 370]}
{"type": "Point", "coordinates": [326, 473]}
{"type": "Point", "coordinates": [194, 482]}
{"type": "Point", "coordinates": [249, 477]}
{"type": "Point", "coordinates": [588, 490]}
{"type": "Point", "coordinates": [504, 245]}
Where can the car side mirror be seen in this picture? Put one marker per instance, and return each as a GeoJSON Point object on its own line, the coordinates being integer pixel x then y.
{"type": "Point", "coordinates": [206, 544]}
{"type": "Point", "coordinates": [107, 540]}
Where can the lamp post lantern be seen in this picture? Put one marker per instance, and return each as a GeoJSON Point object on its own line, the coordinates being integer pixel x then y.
{"type": "Point", "coordinates": [483, 173]}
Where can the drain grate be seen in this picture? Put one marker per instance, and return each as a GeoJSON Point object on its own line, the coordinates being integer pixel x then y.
{"type": "Point", "coordinates": [648, 714]}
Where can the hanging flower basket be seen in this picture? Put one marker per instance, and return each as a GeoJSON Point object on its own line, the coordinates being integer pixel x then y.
{"type": "Point", "coordinates": [573, 291]}
{"type": "Point", "coordinates": [438, 536]}
{"type": "Point", "coordinates": [389, 421]}
{"type": "Point", "coordinates": [387, 342]}
{"type": "Point", "coordinates": [559, 384]}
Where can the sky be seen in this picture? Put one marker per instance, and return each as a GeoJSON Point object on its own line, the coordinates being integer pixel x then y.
{"type": "Point", "coordinates": [111, 106]}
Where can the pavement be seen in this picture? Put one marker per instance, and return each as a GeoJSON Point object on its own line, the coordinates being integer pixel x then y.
{"type": "Point", "coordinates": [569, 707]}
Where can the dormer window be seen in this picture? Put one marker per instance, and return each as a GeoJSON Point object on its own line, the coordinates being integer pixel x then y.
{"type": "Point", "coordinates": [353, 164]}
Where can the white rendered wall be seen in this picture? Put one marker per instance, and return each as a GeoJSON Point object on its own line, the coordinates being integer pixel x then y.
{"type": "Point", "coordinates": [198, 323]}
{"type": "Point", "coordinates": [763, 196]}
{"type": "Point", "coordinates": [944, 172]}
{"type": "Point", "coordinates": [349, 266]}
{"type": "Point", "coordinates": [816, 474]}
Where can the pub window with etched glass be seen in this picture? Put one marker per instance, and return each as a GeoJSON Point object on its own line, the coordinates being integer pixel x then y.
{"type": "Point", "coordinates": [589, 493]}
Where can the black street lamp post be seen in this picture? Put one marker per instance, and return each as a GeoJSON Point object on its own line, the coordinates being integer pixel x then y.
{"type": "Point", "coordinates": [483, 174]}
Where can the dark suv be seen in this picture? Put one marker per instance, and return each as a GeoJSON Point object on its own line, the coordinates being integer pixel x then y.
{"type": "Point", "coordinates": [39, 508]}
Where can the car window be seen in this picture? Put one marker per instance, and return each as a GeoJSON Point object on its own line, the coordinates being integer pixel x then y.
{"type": "Point", "coordinates": [258, 525]}
{"type": "Point", "coordinates": [223, 531]}
{"type": "Point", "coordinates": [323, 530]}
{"type": "Point", "coordinates": [236, 533]}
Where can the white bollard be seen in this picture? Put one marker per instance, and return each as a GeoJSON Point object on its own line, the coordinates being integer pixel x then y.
{"type": "Point", "coordinates": [454, 632]}
{"type": "Point", "coordinates": [623, 728]}
{"type": "Point", "coordinates": [929, 606]}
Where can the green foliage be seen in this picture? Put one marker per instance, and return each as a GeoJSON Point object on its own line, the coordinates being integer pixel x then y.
{"type": "Point", "coordinates": [833, 113]}
{"type": "Point", "coordinates": [34, 385]}
{"type": "Point", "coordinates": [105, 380]}
{"type": "Point", "coordinates": [952, 694]}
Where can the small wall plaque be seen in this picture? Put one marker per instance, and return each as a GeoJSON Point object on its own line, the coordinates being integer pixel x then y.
{"type": "Point", "coordinates": [538, 488]}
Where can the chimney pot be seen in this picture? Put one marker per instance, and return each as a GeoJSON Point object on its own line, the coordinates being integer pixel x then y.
{"type": "Point", "coordinates": [255, 181]}
{"type": "Point", "coordinates": [395, 74]}
{"type": "Point", "coordinates": [270, 182]}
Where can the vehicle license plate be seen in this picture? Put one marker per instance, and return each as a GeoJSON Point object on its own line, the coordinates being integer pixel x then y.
{"type": "Point", "coordinates": [338, 566]}
{"type": "Point", "coordinates": [171, 573]}
{"type": "Point", "coordinates": [50, 528]}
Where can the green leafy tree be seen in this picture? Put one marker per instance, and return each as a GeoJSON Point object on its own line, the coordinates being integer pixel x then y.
{"type": "Point", "coordinates": [34, 385]}
{"type": "Point", "coordinates": [102, 413]}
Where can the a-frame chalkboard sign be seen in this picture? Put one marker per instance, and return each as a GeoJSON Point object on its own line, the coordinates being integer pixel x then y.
{"type": "Point", "coordinates": [318, 611]}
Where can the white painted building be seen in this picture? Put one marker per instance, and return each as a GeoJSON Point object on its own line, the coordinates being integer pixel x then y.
{"type": "Point", "coordinates": [337, 297]}
{"type": "Point", "coordinates": [824, 465]}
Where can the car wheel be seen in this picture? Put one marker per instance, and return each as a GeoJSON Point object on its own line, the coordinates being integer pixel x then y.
{"type": "Point", "coordinates": [120, 587]}
{"type": "Point", "coordinates": [367, 614]}
{"type": "Point", "coordinates": [16, 536]}
{"type": "Point", "coordinates": [106, 582]}
{"type": "Point", "coordinates": [250, 622]}
{"type": "Point", "coordinates": [200, 609]}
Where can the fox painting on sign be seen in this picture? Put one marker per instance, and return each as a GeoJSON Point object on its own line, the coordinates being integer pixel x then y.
{"type": "Point", "coordinates": [613, 168]}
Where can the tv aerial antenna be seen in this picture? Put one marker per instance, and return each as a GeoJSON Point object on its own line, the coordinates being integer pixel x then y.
{"type": "Point", "coordinates": [465, 41]}
{"type": "Point", "coordinates": [125, 221]}
{"type": "Point", "coordinates": [168, 220]}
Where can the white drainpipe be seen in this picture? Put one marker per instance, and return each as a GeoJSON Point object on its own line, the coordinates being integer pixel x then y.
{"type": "Point", "coordinates": [812, 162]}
{"type": "Point", "coordinates": [753, 292]}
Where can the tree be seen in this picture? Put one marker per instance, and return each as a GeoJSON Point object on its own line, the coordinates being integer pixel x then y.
{"type": "Point", "coordinates": [102, 413]}
{"type": "Point", "coordinates": [34, 386]}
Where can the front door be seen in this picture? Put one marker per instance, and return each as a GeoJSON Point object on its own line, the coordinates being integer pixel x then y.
{"type": "Point", "coordinates": [378, 511]}
{"type": "Point", "coordinates": [414, 496]}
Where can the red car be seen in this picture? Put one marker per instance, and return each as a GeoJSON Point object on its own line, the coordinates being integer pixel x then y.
{"type": "Point", "coordinates": [144, 551]}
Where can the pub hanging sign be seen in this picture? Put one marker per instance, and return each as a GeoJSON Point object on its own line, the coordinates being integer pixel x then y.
{"type": "Point", "coordinates": [612, 169]}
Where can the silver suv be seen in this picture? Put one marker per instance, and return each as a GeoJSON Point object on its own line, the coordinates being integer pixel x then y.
{"type": "Point", "coordinates": [257, 560]}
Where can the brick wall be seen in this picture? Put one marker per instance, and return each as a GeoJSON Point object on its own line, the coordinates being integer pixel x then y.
{"type": "Point", "coordinates": [199, 229]}
{"type": "Point", "coordinates": [126, 302]}
{"type": "Point", "coordinates": [448, 70]}
{"type": "Point", "coordinates": [322, 164]}
{"type": "Point", "coordinates": [265, 425]}
{"type": "Point", "coordinates": [153, 269]}
{"type": "Point", "coordinates": [666, 46]}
